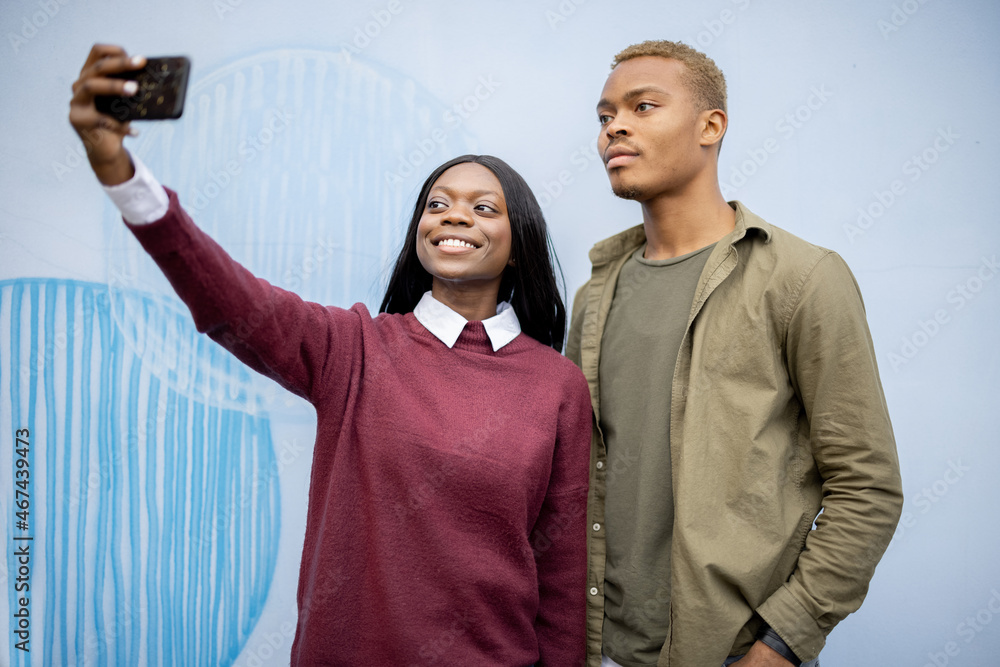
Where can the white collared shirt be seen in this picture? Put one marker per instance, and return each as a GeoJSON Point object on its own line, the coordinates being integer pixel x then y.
{"type": "Point", "coordinates": [143, 200]}
{"type": "Point", "coordinates": [447, 325]}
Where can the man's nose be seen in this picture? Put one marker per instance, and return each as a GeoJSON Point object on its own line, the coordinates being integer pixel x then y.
{"type": "Point", "coordinates": [617, 128]}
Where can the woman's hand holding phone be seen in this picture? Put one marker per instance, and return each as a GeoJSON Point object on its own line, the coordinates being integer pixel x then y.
{"type": "Point", "coordinates": [102, 134]}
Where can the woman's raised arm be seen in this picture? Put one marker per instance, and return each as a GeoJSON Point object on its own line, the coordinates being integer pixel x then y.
{"type": "Point", "coordinates": [270, 329]}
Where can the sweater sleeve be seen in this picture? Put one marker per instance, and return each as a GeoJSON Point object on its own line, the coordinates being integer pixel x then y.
{"type": "Point", "coordinates": [559, 538]}
{"type": "Point", "coordinates": [831, 361]}
{"type": "Point", "coordinates": [270, 329]}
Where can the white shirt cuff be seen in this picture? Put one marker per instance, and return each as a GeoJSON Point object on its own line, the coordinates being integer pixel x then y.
{"type": "Point", "coordinates": [141, 199]}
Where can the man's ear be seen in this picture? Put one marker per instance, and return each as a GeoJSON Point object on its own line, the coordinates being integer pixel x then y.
{"type": "Point", "coordinates": [713, 126]}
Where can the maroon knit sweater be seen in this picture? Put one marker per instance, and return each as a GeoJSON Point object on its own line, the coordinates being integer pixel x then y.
{"type": "Point", "coordinates": [447, 501]}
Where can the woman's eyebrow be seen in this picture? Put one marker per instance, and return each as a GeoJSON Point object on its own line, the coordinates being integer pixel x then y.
{"type": "Point", "coordinates": [476, 193]}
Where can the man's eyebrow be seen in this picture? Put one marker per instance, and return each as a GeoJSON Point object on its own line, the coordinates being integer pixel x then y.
{"type": "Point", "coordinates": [632, 94]}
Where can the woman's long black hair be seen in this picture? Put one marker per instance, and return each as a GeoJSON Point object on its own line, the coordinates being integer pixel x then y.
{"type": "Point", "coordinates": [529, 285]}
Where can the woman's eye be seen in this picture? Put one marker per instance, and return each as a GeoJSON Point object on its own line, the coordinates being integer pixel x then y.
{"type": "Point", "coordinates": [435, 204]}
{"type": "Point", "coordinates": [486, 207]}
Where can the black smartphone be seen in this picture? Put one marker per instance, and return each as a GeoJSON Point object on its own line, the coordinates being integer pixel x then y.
{"type": "Point", "coordinates": [162, 87]}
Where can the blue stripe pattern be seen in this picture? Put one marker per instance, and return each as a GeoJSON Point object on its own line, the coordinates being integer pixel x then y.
{"type": "Point", "coordinates": [155, 509]}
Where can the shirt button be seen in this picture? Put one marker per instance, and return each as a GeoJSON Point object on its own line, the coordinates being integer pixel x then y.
{"type": "Point", "coordinates": [593, 591]}
{"type": "Point", "coordinates": [597, 526]}
{"type": "Point", "coordinates": [600, 465]}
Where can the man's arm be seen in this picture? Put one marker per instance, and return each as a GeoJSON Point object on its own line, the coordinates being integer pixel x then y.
{"type": "Point", "coordinates": [831, 362]}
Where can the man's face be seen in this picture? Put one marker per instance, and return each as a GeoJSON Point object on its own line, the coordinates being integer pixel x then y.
{"type": "Point", "coordinates": [651, 131]}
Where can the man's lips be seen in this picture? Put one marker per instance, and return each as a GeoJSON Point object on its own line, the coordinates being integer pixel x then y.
{"type": "Point", "coordinates": [619, 156]}
{"type": "Point", "coordinates": [621, 160]}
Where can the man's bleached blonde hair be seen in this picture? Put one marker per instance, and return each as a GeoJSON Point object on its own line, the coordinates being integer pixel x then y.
{"type": "Point", "coordinates": [703, 76]}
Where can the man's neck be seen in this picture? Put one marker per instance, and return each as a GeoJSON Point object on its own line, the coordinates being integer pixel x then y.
{"type": "Point", "coordinates": [679, 223]}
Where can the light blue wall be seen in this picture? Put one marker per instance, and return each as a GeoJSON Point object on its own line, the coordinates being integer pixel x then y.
{"type": "Point", "coordinates": [866, 127]}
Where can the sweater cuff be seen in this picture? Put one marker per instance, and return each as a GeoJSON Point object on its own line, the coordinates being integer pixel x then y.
{"type": "Point", "coordinates": [168, 234]}
{"type": "Point", "coordinates": [141, 199]}
{"type": "Point", "coordinates": [797, 628]}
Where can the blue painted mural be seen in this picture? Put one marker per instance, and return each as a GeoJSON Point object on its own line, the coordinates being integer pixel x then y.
{"type": "Point", "coordinates": [156, 514]}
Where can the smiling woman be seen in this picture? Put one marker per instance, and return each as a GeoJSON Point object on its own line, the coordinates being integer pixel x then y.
{"type": "Point", "coordinates": [447, 503]}
{"type": "Point", "coordinates": [479, 200]}
{"type": "Point", "coordinates": [463, 239]}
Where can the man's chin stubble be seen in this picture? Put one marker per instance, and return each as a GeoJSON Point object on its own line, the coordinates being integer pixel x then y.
{"type": "Point", "coordinates": [627, 192]}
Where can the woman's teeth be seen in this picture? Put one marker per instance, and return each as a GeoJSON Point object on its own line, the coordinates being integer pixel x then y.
{"type": "Point", "coordinates": [455, 243]}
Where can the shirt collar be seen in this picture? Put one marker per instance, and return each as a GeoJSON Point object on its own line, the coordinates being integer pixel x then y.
{"type": "Point", "coordinates": [627, 241]}
{"type": "Point", "coordinates": [447, 325]}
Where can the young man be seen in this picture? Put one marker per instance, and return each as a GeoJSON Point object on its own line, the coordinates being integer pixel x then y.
{"type": "Point", "coordinates": [736, 400]}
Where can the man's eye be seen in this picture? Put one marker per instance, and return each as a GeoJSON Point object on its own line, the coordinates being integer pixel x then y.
{"type": "Point", "coordinates": [645, 106]}
{"type": "Point", "coordinates": [604, 119]}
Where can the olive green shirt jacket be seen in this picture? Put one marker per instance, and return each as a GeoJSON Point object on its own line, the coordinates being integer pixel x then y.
{"type": "Point", "coordinates": [777, 415]}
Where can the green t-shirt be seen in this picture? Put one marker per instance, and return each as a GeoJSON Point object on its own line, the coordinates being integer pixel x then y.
{"type": "Point", "coordinates": [638, 352]}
